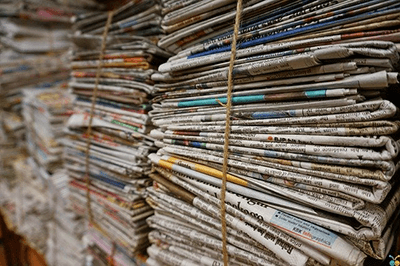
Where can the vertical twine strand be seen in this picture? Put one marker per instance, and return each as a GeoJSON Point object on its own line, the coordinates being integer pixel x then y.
{"type": "Point", "coordinates": [111, 257]}
{"type": "Point", "coordinates": [239, 8]}
{"type": "Point", "coordinates": [89, 129]}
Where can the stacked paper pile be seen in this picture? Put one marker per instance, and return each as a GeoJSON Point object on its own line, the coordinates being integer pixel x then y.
{"type": "Point", "coordinates": [32, 47]}
{"type": "Point", "coordinates": [11, 129]}
{"type": "Point", "coordinates": [10, 193]}
{"type": "Point", "coordinates": [7, 203]}
{"type": "Point", "coordinates": [313, 148]}
{"type": "Point", "coordinates": [25, 62]}
{"type": "Point", "coordinates": [32, 52]}
{"type": "Point", "coordinates": [119, 145]}
{"type": "Point", "coordinates": [27, 36]}
{"type": "Point", "coordinates": [34, 43]}
{"type": "Point", "coordinates": [201, 26]}
{"type": "Point", "coordinates": [45, 113]}
{"type": "Point", "coordinates": [66, 227]}
{"type": "Point", "coordinates": [37, 204]}
{"type": "Point", "coordinates": [45, 10]}
{"type": "Point", "coordinates": [19, 72]}
{"type": "Point", "coordinates": [190, 22]}
{"type": "Point", "coordinates": [16, 76]}
{"type": "Point", "coordinates": [34, 55]}
{"type": "Point", "coordinates": [33, 206]}
{"type": "Point", "coordinates": [136, 17]}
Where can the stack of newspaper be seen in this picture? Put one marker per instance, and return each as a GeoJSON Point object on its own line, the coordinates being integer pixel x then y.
{"type": "Point", "coordinates": [119, 145]}
{"type": "Point", "coordinates": [32, 55]}
{"type": "Point", "coordinates": [38, 206]}
{"type": "Point", "coordinates": [45, 10]}
{"type": "Point", "coordinates": [190, 22]}
{"type": "Point", "coordinates": [9, 192]}
{"type": "Point", "coordinates": [135, 17]}
{"type": "Point", "coordinates": [11, 130]}
{"type": "Point", "coordinates": [33, 41]}
{"type": "Point", "coordinates": [33, 206]}
{"type": "Point", "coordinates": [66, 228]}
{"type": "Point", "coordinates": [313, 148]}
{"type": "Point", "coordinates": [18, 74]}
{"type": "Point", "coordinates": [206, 25]}
{"type": "Point", "coordinates": [20, 71]}
{"type": "Point", "coordinates": [27, 36]}
{"type": "Point", "coordinates": [45, 113]}
{"type": "Point", "coordinates": [34, 60]}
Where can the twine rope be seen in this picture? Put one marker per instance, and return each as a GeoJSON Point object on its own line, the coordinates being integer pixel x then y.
{"type": "Point", "coordinates": [89, 129]}
{"type": "Point", "coordinates": [239, 9]}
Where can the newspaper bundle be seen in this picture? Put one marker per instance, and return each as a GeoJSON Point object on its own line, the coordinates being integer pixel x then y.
{"type": "Point", "coordinates": [313, 148]}
{"type": "Point", "coordinates": [66, 228]}
{"type": "Point", "coordinates": [45, 113]}
{"type": "Point", "coordinates": [34, 106]}
{"type": "Point", "coordinates": [119, 141]}
{"type": "Point", "coordinates": [34, 210]}
{"type": "Point", "coordinates": [38, 206]}
{"type": "Point", "coordinates": [135, 17]}
{"type": "Point", "coordinates": [27, 203]}
{"type": "Point", "coordinates": [33, 38]}
{"type": "Point", "coordinates": [196, 27]}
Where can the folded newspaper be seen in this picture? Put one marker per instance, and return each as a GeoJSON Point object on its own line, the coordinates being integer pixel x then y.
{"type": "Point", "coordinates": [313, 149]}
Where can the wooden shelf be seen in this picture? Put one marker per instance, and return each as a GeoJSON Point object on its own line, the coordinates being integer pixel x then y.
{"type": "Point", "coordinates": [14, 249]}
